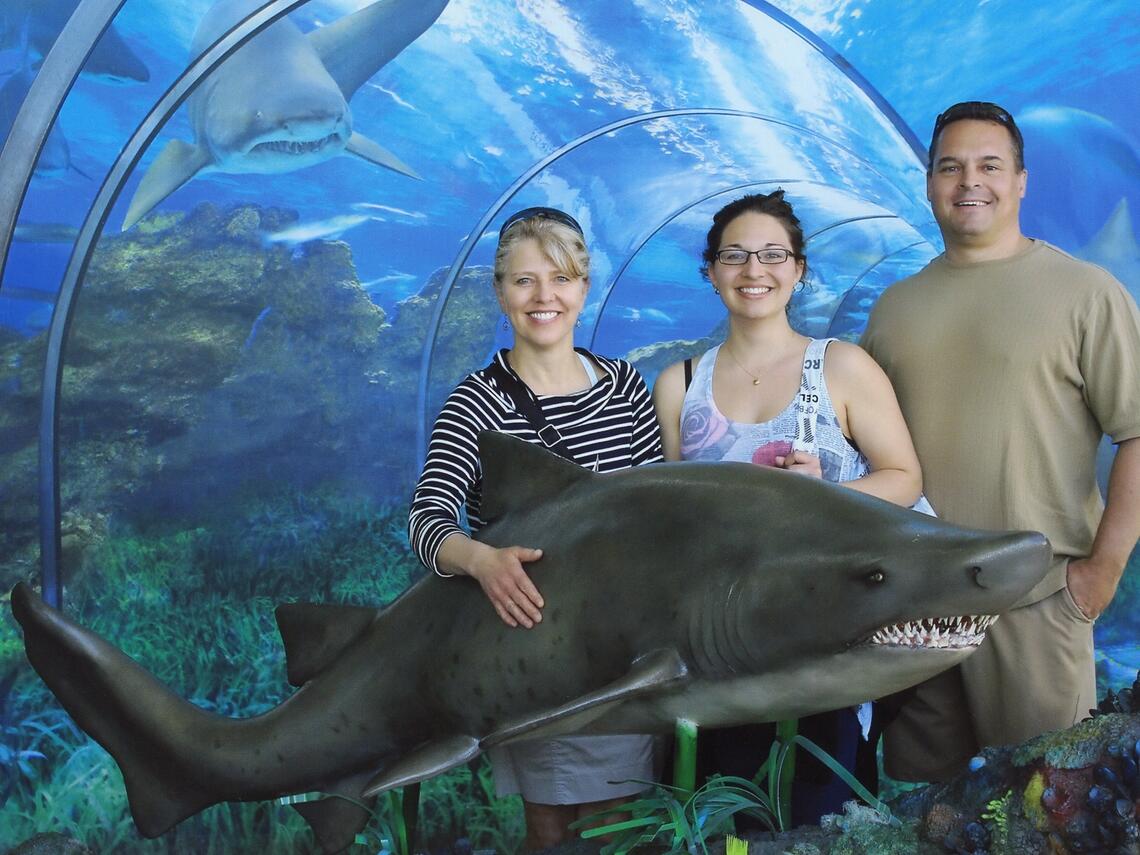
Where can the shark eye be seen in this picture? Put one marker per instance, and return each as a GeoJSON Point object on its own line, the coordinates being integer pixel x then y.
{"type": "Point", "coordinates": [876, 576]}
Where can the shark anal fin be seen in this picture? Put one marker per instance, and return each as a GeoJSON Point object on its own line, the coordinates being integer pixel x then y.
{"type": "Point", "coordinates": [430, 759]}
{"type": "Point", "coordinates": [657, 670]}
{"type": "Point", "coordinates": [373, 152]}
{"type": "Point", "coordinates": [337, 820]}
{"type": "Point", "coordinates": [315, 635]}
{"type": "Point", "coordinates": [175, 165]}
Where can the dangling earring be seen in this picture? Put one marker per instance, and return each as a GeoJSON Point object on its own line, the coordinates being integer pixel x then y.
{"type": "Point", "coordinates": [506, 324]}
{"type": "Point", "coordinates": [716, 290]}
{"type": "Point", "coordinates": [578, 323]}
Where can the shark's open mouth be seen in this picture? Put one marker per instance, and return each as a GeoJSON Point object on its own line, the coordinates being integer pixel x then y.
{"type": "Point", "coordinates": [955, 632]}
{"type": "Point", "coordinates": [296, 147]}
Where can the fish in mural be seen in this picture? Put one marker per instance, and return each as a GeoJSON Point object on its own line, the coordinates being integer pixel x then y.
{"type": "Point", "coordinates": [328, 229]}
{"type": "Point", "coordinates": [1114, 248]}
{"type": "Point", "coordinates": [280, 102]}
{"type": "Point", "coordinates": [722, 593]}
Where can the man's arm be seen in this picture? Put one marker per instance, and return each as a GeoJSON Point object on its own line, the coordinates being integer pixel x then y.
{"type": "Point", "coordinates": [1093, 580]}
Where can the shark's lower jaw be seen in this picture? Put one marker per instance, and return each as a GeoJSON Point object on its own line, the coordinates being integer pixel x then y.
{"type": "Point", "coordinates": [942, 633]}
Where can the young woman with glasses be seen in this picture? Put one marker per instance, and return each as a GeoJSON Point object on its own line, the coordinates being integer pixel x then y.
{"type": "Point", "coordinates": [596, 412]}
{"type": "Point", "coordinates": [770, 396]}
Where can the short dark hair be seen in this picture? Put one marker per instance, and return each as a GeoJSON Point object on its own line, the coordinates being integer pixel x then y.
{"type": "Point", "coordinates": [774, 205]}
{"type": "Point", "coordinates": [985, 111]}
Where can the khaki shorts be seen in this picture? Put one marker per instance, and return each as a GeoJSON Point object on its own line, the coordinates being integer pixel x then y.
{"type": "Point", "coordinates": [1034, 673]}
{"type": "Point", "coordinates": [573, 770]}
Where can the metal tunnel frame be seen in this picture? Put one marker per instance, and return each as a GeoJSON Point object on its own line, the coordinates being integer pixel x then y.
{"type": "Point", "coordinates": [58, 73]}
{"type": "Point", "coordinates": [44, 100]}
{"type": "Point", "coordinates": [476, 232]}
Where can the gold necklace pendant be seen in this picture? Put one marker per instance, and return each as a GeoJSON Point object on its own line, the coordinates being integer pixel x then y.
{"type": "Point", "coordinates": [755, 379]}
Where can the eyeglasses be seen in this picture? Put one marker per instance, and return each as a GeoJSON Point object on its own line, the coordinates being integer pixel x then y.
{"type": "Point", "coordinates": [547, 213]}
{"type": "Point", "coordinates": [764, 256]}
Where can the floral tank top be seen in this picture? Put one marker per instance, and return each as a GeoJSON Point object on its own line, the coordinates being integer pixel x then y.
{"type": "Point", "coordinates": [808, 423]}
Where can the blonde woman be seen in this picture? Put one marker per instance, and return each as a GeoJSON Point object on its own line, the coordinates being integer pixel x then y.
{"type": "Point", "coordinates": [602, 418]}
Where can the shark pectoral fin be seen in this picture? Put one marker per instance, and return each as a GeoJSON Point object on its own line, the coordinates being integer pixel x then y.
{"type": "Point", "coordinates": [315, 635]}
{"type": "Point", "coordinates": [337, 820]}
{"type": "Point", "coordinates": [428, 760]}
{"type": "Point", "coordinates": [657, 670]}
{"type": "Point", "coordinates": [174, 166]}
{"type": "Point", "coordinates": [361, 146]}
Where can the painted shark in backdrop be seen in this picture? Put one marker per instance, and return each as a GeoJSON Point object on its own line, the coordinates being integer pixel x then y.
{"type": "Point", "coordinates": [37, 24]}
{"type": "Point", "coordinates": [280, 102]}
{"type": "Point", "coordinates": [722, 593]}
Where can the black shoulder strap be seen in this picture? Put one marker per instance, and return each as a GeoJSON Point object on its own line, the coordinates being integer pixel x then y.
{"type": "Point", "coordinates": [527, 406]}
{"type": "Point", "coordinates": [688, 373]}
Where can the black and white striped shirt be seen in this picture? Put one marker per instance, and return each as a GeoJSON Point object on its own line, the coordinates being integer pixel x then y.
{"type": "Point", "coordinates": [607, 427]}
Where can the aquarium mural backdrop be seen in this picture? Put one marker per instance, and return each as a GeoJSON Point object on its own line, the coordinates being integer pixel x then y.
{"type": "Point", "coordinates": [297, 270]}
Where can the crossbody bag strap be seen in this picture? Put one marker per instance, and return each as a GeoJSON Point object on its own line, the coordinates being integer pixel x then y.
{"type": "Point", "coordinates": [526, 405]}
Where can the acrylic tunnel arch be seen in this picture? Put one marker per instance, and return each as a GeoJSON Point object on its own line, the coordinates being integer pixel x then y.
{"type": "Point", "coordinates": [57, 76]}
{"type": "Point", "coordinates": [794, 185]}
{"type": "Point", "coordinates": [898, 201]}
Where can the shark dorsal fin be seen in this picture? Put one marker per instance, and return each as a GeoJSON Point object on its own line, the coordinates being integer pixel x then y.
{"type": "Point", "coordinates": [519, 475]}
{"type": "Point", "coordinates": [358, 45]}
{"type": "Point", "coordinates": [315, 635]}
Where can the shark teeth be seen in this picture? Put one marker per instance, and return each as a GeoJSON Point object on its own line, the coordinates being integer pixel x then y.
{"type": "Point", "coordinates": [295, 147]}
{"type": "Point", "coordinates": [955, 632]}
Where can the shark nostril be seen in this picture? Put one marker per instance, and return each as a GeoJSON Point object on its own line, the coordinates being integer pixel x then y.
{"type": "Point", "coordinates": [976, 572]}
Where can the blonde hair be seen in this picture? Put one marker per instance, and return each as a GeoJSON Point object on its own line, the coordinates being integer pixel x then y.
{"type": "Point", "coordinates": [561, 244]}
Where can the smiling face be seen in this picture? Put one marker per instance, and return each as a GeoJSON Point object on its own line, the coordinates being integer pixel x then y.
{"type": "Point", "coordinates": [541, 301]}
{"type": "Point", "coordinates": [754, 289]}
{"type": "Point", "coordinates": [975, 189]}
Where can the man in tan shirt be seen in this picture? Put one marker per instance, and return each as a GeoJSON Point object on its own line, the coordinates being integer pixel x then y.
{"type": "Point", "coordinates": [1010, 359]}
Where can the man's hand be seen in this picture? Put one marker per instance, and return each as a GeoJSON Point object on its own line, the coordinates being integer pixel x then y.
{"type": "Point", "coordinates": [1092, 584]}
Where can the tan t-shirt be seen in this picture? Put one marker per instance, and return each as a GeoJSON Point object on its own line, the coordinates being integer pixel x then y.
{"type": "Point", "coordinates": [1007, 373]}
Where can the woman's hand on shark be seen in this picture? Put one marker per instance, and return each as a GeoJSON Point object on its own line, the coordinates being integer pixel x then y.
{"type": "Point", "coordinates": [500, 573]}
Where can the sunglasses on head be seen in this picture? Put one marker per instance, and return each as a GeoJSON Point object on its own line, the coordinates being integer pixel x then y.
{"type": "Point", "coordinates": [547, 213]}
{"type": "Point", "coordinates": [984, 110]}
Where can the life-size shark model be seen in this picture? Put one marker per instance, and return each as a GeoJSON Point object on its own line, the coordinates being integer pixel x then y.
{"type": "Point", "coordinates": [722, 593]}
{"type": "Point", "coordinates": [280, 102]}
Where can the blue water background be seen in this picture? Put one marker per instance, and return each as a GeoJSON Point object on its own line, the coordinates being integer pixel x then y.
{"type": "Point", "coordinates": [496, 86]}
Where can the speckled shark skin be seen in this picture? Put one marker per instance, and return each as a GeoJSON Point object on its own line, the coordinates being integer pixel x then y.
{"type": "Point", "coordinates": [722, 593]}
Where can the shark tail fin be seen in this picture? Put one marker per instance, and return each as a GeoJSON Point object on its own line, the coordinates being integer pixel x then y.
{"type": "Point", "coordinates": [373, 152]}
{"type": "Point", "coordinates": [175, 165]}
{"type": "Point", "coordinates": [112, 698]}
{"type": "Point", "coordinates": [315, 635]}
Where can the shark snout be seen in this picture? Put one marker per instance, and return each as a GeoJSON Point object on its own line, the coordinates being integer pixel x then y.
{"type": "Point", "coordinates": [314, 127]}
{"type": "Point", "coordinates": [1011, 564]}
